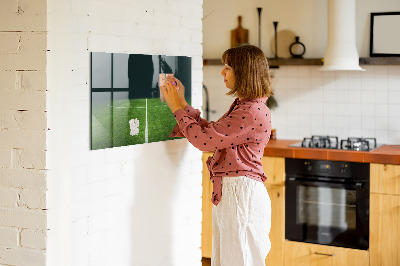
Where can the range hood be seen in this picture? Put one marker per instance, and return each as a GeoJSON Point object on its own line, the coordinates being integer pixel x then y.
{"type": "Point", "coordinates": [341, 51]}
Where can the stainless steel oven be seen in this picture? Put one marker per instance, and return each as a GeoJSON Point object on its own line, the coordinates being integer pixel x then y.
{"type": "Point", "coordinates": [327, 202]}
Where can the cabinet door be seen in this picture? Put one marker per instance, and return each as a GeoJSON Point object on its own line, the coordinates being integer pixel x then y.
{"type": "Point", "coordinates": [384, 230]}
{"type": "Point", "coordinates": [274, 168]}
{"type": "Point", "coordinates": [206, 226]}
{"type": "Point", "coordinates": [385, 178]}
{"type": "Point", "coordinates": [277, 233]}
{"type": "Point", "coordinates": [304, 254]}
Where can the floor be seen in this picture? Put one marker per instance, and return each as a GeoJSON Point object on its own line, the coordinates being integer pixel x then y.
{"type": "Point", "coordinates": [206, 261]}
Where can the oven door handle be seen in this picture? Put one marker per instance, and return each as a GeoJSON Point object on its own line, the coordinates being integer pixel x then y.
{"type": "Point", "coordinates": [357, 185]}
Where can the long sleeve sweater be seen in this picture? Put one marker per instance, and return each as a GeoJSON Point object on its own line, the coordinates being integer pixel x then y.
{"type": "Point", "coordinates": [238, 139]}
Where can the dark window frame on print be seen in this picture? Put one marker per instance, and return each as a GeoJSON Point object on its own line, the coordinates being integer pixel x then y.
{"type": "Point", "coordinates": [127, 107]}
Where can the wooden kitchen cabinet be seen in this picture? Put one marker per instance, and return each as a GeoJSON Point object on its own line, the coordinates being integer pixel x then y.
{"type": "Point", "coordinates": [305, 254]}
{"type": "Point", "coordinates": [274, 168]}
{"type": "Point", "coordinates": [277, 233]}
{"type": "Point", "coordinates": [206, 225]}
{"type": "Point", "coordinates": [385, 215]}
{"type": "Point", "coordinates": [385, 178]}
{"type": "Point", "coordinates": [384, 236]}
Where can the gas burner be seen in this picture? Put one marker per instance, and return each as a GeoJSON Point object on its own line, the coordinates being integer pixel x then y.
{"type": "Point", "coordinates": [327, 142]}
{"type": "Point", "coordinates": [358, 144]}
{"type": "Point", "coordinates": [332, 142]}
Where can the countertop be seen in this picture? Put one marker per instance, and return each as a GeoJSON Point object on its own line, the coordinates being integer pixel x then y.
{"type": "Point", "coordinates": [389, 154]}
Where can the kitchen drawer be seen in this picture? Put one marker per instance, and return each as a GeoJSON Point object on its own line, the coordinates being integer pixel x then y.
{"type": "Point", "coordinates": [385, 178]}
{"type": "Point", "coordinates": [305, 254]}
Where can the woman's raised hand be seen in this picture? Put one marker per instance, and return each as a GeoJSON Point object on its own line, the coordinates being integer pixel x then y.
{"type": "Point", "coordinates": [181, 92]}
{"type": "Point", "coordinates": [173, 95]}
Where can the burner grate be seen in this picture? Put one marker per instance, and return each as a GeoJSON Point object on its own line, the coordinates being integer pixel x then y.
{"type": "Point", "coordinates": [327, 142]}
{"type": "Point", "coordinates": [332, 142]}
{"type": "Point", "coordinates": [358, 144]}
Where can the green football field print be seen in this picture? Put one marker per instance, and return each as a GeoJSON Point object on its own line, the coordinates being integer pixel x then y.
{"type": "Point", "coordinates": [126, 105]}
{"type": "Point", "coordinates": [152, 126]}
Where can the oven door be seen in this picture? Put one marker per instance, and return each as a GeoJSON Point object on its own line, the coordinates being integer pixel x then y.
{"type": "Point", "coordinates": [327, 213]}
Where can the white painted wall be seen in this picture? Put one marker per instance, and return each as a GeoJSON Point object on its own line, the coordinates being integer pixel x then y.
{"type": "Point", "coordinates": [135, 205]}
{"type": "Point", "coordinates": [23, 133]}
{"type": "Point", "coordinates": [306, 19]}
{"type": "Point", "coordinates": [311, 102]}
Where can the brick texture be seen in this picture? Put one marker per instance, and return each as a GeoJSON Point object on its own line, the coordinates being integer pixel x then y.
{"type": "Point", "coordinates": [44, 122]}
{"type": "Point", "coordinates": [120, 190]}
{"type": "Point", "coordinates": [23, 125]}
{"type": "Point", "coordinates": [33, 199]}
{"type": "Point", "coordinates": [33, 239]}
{"type": "Point", "coordinates": [9, 237]}
{"type": "Point", "coordinates": [8, 197]}
{"type": "Point", "coordinates": [23, 218]}
{"type": "Point", "coordinates": [17, 256]}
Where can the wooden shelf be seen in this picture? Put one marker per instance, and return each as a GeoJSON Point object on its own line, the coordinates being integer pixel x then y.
{"type": "Point", "coordinates": [380, 61]}
{"type": "Point", "coordinates": [212, 62]}
{"type": "Point", "coordinates": [273, 63]}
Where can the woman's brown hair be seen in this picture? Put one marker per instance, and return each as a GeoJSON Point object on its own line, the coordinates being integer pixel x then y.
{"type": "Point", "coordinates": [250, 66]}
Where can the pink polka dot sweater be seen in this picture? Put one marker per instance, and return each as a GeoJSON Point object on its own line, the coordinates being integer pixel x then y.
{"type": "Point", "coordinates": [238, 139]}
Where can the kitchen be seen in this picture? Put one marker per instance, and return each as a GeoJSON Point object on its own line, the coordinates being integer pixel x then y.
{"type": "Point", "coordinates": [54, 189]}
{"type": "Point", "coordinates": [314, 103]}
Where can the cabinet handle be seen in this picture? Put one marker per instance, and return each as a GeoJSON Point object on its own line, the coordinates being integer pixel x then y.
{"type": "Point", "coordinates": [324, 254]}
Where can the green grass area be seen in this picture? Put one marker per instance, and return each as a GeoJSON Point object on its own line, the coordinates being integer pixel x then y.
{"type": "Point", "coordinates": [110, 125]}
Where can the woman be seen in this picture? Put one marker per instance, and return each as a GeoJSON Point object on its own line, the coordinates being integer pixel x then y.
{"type": "Point", "coordinates": [242, 211]}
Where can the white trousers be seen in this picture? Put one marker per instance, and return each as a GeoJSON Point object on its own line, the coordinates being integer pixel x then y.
{"type": "Point", "coordinates": [241, 223]}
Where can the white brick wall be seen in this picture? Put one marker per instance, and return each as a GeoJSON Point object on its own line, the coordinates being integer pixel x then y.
{"type": "Point", "coordinates": [135, 205]}
{"type": "Point", "coordinates": [11, 256]}
{"type": "Point", "coordinates": [33, 239]}
{"type": "Point", "coordinates": [9, 237]}
{"type": "Point", "coordinates": [23, 128]}
{"type": "Point", "coordinates": [23, 218]}
{"type": "Point", "coordinates": [8, 197]}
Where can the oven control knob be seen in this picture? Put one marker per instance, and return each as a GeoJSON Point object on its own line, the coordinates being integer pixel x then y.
{"type": "Point", "coordinates": [343, 168]}
{"type": "Point", "coordinates": [308, 166]}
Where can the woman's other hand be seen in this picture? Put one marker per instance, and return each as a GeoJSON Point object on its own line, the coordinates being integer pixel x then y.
{"type": "Point", "coordinates": [171, 94]}
{"type": "Point", "coordinates": [181, 91]}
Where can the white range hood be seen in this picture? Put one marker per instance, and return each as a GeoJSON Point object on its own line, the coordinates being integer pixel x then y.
{"type": "Point", "coordinates": [341, 51]}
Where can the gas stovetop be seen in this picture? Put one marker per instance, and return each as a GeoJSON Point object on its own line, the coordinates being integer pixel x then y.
{"type": "Point", "coordinates": [332, 142]}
